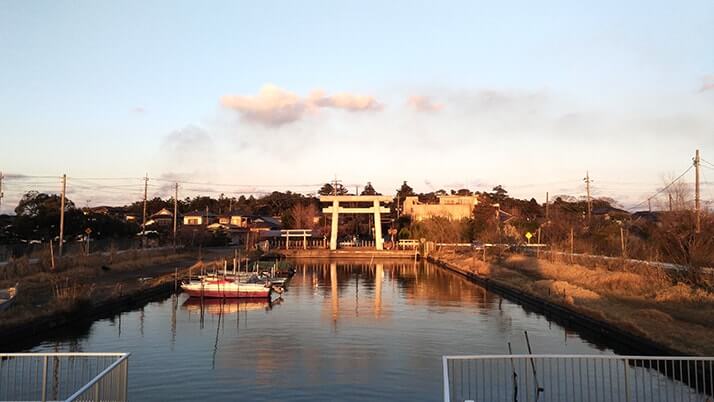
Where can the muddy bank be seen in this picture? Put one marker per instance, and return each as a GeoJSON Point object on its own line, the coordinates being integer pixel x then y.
{"type": "Point", "coordinates": [645, 310]}
{"type": "Point", "coordinates": [50, 300]}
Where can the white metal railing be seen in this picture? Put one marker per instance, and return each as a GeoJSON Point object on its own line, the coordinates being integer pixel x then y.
{"type": "Point", "coordinates": [569, 378]}
{"type": "Point", "coordinates": [64, 376]}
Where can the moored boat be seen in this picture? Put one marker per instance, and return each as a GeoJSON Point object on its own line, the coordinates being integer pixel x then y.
{"type": "Point", "coordinates": [218, 287]}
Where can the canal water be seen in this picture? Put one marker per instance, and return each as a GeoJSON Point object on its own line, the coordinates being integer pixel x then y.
{"type": "Point", "coordinates": [343, 331]}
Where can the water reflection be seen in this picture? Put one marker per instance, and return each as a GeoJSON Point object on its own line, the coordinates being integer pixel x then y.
{"type": "Point", "coordinates": [344, 330]}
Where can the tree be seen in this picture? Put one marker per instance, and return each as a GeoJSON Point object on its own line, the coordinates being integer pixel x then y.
{"type": "Point", "coordinates": [405, 191]}
{"type": "Point", "coordinates": [34, 204]}
{"type": "Point", "coordinates": [38, 216]}
{"type": "Point", "coordinates": [302, 216]}
{"type": "Point", "coordinates": [499, 193]}
{"type": "Point", "coordinates": [329, 189]}
{"type": "Point", "coordinates": [369, 190]}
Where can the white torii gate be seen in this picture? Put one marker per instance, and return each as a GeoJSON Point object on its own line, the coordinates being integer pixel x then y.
{"type": "Point", "coordinates": [375, 209]}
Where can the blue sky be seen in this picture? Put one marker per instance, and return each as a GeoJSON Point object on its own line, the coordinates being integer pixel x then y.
{"type": "Point", "coordinates": [442, 94]}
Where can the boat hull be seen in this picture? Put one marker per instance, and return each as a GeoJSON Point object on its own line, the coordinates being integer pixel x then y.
{"type": "Point", "coordinates": [227, 290]}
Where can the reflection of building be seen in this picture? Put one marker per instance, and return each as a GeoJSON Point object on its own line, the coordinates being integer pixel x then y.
{"type": "Point", "coordinates": [452, 207]}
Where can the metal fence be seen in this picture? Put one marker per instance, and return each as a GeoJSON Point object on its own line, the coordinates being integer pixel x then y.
{"type": "Point", "coordinates": [570, 378]}
{"type": "Point", "coordinates": [63, 376]}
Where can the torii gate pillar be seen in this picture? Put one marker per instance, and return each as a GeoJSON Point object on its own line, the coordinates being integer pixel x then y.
{"type": "Point", "coordinates": [378, 240]}
{"type": "Point", "coordinates": [334, 224]}
{"type": "Point", "coordinates": [375, 209]}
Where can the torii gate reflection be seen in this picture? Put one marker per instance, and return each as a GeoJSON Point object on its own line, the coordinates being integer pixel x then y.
{"type": "Point", "coordinates": [375, 209]}
{"type": "Point", "coordinates": [335, 297]}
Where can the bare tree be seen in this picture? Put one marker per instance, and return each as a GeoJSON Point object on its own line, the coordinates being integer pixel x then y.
{"type": "Point", "coordinates": [680, 192]}
{"type": "Point", "coordinates": [303, 215]}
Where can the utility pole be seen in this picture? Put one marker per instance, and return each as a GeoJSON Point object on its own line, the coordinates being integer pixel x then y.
{"type": "Point", "coordinates": [547, 207]}
{"type": "Point", "coordinates": [587, 187]}
{"type": "Point", "coordinates": [697, 200]}
{"type": "Point", "coordinates": [143, 222]}
{"type": "Point", "coordinates": [61, 232]}
{"type": "Point", "coordinates": [334, 185]}
{"type": "Point", "coordinates": [1, 193]}
{"type": "Point", "coordinates": [649, 204]}
{"type": "Point", "coordinates": [175, 211]}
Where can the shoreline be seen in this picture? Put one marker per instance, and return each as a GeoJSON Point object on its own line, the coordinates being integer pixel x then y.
{"type": "Point", "coordinates": [638, 323]}
{"type": "Point", "coordinates": [90, 297]}
{"type": "Point", "coordinates": [599, 327]}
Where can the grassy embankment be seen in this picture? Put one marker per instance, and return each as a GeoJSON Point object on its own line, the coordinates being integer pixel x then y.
{"type": "Point", "coordinates": [80, 285]}
{"type": "Point", "coordinates": [669, 309]}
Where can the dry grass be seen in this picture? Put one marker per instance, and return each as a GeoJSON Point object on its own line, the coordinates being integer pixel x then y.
{"type": "Point", "coordinates": [642, 299]}
{"type": "Point", "coordinates": [43, 294]}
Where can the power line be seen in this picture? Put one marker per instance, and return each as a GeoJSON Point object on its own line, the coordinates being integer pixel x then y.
{"type": "Point", "coordinates": [664, 188]}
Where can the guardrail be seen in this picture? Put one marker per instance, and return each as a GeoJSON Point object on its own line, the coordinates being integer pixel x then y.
{"type": "Point", "coordinates": [64, 376]}
{"type": "Point", "coordinates": [568, 378]}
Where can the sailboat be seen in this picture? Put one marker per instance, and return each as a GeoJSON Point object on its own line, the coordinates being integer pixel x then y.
{"type": "Point", "coordinates": [228, 288]}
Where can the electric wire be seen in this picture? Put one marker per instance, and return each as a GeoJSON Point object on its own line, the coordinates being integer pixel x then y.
{"type": "Point", "coordinates": [663, 189]}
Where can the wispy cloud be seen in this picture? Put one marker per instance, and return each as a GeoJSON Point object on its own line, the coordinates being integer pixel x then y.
{"type": "Point", "coordinates": [274, 106]}
{"type": "Point", "coordinates": [138, 109]}
{"type": "Point", "coordinates": [420, 103]}
{"type": "Point", "coordinates": [189, 140]}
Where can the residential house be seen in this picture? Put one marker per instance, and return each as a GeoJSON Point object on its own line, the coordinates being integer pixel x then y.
{"type": "Point", "coordinates": [163, 218]}
{"type": "Point", "coordinates": [199, 218]}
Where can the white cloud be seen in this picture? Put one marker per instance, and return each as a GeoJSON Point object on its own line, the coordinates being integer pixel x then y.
{"type": "Point", "coordinates": [420, 103]}
{"type": "Point", "coordinates": [274, 106]}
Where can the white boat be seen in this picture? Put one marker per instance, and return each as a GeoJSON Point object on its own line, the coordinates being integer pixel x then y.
{"type": "Point", "coordinates": [7, 297]}
{"type": "Point", "coordinates": [218, 287]}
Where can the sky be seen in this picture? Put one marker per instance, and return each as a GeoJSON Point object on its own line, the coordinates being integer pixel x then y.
{"type": "Point", "coordinates": [233, 97]}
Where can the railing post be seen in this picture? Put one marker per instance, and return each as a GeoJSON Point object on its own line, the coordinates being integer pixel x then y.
{"type": "Point", "coordinates": [447, 393]}
{"type": "Point", "coordinates": [126, 379]}
{"type": "Point", "coordinates": [627, 385]}
{"type": "Point", "coordinates": [96, 391]}
{"type": "Point", "coordinates": [44, 379]}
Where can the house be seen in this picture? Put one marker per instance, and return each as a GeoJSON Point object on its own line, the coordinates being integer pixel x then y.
{"type": "Point", "coordinates": [162, 218]}
{"type": "Point", "coordinates": [452, 207]}
{"type": "Point", "coordinates": [234, 219]}
{"type": "Point", "coordinates": [259, 223]}
{"type": "Point", "coordinates": [199, 218]}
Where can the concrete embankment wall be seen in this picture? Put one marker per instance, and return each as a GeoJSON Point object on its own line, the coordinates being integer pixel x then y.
{"type": "Point", "coordinates": [348, 253]}
{"type": "Point", "coordinates": [628, 340]}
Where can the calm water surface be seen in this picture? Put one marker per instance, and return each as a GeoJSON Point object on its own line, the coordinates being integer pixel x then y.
{"type": "Point", "coordinates": [344, 331]}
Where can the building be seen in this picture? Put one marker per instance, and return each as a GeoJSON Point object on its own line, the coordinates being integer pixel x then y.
{"type": "Point", "coordinates": [452, 207]}
{"type": "Point", "coordinates": [199, 218]}
{"type": "Point", "coordinates": [162, 218]}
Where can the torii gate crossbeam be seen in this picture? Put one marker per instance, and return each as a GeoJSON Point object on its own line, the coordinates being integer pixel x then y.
{"type": "Point", "coordinates": [375, 209]}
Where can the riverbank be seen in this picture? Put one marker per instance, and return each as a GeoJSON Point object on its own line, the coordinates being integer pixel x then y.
{"type": "Point", "coordinates": [641, 307]}
{"type": "Point", "coordinates": [49, 300]}
{"type": "Point", "coordinates": [347, 253]}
